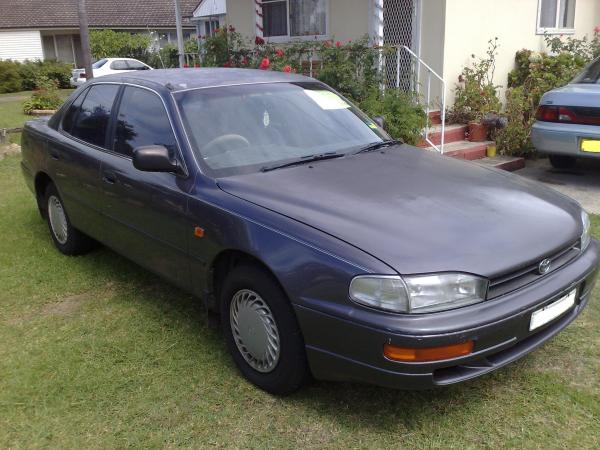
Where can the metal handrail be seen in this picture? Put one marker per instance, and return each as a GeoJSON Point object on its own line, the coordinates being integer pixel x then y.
{"type": "Point", "coordinates": [430, 72]}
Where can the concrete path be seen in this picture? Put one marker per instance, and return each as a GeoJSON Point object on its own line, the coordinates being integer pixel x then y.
{"type": "Point", "coordinates": [582, 182]}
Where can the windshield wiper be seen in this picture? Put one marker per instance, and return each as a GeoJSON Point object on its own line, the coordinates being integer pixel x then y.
{"type": "Point", "coordinates": [377, 145]}
{"type": "Point", "coordinates": [303, 160]}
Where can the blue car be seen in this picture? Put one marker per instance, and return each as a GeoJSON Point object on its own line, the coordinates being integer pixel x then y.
{"type": "Point", "coordinates": [567, 123]}
{"type": "Point", "coordinates": [327, 248]}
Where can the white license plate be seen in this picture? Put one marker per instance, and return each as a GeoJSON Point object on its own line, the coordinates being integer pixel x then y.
{"type": "Point", "coordinates": [553, 310]}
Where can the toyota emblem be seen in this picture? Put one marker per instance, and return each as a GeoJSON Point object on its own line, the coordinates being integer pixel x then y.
{"type": "Point", "coordinates": [544, 266]}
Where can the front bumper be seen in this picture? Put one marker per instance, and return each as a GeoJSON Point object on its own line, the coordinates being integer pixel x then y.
{"type": "Point", "coordinates": [347, 344]}
{"type": "Point", "coordinates": [563, 138]}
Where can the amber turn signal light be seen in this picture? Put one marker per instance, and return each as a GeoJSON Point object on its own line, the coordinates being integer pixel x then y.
{"type": "Point", "coordinates": [427, 354]}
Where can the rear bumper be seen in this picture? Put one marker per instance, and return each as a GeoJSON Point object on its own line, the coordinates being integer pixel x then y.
{"type": "Point", "coordinates": [343, 349]}
{"type": "Point", "coordinates": [563, 138]}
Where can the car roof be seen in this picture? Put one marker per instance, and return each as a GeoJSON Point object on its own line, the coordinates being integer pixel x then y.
{"type": "Point", "coordinates": [196, 78]}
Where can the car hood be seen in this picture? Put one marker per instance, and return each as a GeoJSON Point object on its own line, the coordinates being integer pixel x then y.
{"type": "Point", "coordinates": [420, 212]}
{"type": "Point", "coordinates": [573, 95]}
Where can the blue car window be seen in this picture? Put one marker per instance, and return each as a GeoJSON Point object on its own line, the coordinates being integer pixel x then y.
{"type": "Point", "coordinates": [142, 120]}
{"type": "Point", "coordinates": [91, 122]}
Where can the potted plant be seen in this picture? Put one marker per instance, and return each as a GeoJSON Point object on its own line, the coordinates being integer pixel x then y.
{"type": "Point", "coordinates": [477, 95]}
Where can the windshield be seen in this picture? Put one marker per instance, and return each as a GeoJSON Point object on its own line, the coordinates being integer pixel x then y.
{"type": "Point", "coordinates": [590, 75]}
{"type": "Point", "coordinates": [243, 129]}
{"type": "Point", "coordinates": [99, 63]}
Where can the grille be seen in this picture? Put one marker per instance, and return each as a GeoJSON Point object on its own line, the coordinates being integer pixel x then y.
{"type": "Point", "coordinates": [529, 274]}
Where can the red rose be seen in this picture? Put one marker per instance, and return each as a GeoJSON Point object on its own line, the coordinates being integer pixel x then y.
{"type": "Point", "coordinates": [279, 52]}
{"type": "Point", "coordinates": [287, 69]}
{"type": "Point", "coordinates": [597, 30]}
{"type": "Point", "coordinates": [185, 66]}
{"type": "Point", "coordinates": [264, 64]}
{"type": "Point", "coordinates": [338, 44]}
{"type": "Point", "coordinates": [217, 30]}
{"type": "Point", "coordinates": [231, 28]}
{"type": "Point", "coordinates": [197, 65]}
{"type": "Point", "coordinates": [259, 41]}
{"type": "Point", "coordinates": [227, 64]}
{"type": "Point", "coordinates": [244, 61]}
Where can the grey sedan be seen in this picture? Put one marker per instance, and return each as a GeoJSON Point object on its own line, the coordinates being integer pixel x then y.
{"type": "Point", "coordinates": [568, 120]}
{"type": "Point", "coordinates": [327, 248]}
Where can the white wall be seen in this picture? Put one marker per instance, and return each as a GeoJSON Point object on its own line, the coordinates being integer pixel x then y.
{"type": "Point", "coordinates": [21, 45]}
{"type": "Point", "coordinates": [470, 24]}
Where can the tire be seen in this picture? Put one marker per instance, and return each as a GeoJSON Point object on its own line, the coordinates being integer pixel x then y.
{"type": "Point", "coordinates": [562, 161]}
{"type": "Point", "coordinates": [254, 307]}
{"type": "Point", "coordinates": [67, 239]}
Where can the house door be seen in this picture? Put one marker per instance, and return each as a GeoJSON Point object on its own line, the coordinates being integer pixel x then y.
{"type": "Point", "coordinates": [400, 27]}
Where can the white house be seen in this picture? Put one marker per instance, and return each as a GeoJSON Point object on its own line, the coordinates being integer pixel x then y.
{"type": "Point", "coordinates": [49, 29]}
{"type": "Point", "coordinates": [443, 33]}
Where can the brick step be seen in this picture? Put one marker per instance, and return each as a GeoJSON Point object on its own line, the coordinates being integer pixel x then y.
{"type": "Point", "coordinates": [508, 163]}
{"type": "Point", "coordinates": [452, 133]}
{"type": "Point", "coordinates": [435, 117]}
{"type": "Point", "coordinates": [467, 150]}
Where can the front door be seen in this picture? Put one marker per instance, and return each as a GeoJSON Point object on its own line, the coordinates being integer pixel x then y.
{"type": "Point", "coordinates": [147, 209]}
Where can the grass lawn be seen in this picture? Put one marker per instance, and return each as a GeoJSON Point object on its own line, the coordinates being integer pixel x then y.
{"type": "Point", "coordinates": [98, 353]}
{"type": "Point", "coordinates": [11, 111]}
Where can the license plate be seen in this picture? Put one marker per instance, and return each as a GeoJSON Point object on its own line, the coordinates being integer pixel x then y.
{"type": "Point", "coordinates": [590, 145]}
{"type": "Point", "coordinates": [553, 310]}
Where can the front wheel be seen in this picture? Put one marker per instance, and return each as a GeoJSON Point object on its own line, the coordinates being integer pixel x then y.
{"type": "Point", "coordinates": [562, 161]}
{"type": "Point", "coordinates": [67, 239]}
{"type": "Point", "coordinates": [261, 331]}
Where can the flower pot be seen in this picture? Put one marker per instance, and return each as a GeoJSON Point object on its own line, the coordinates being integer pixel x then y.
{"type": "Point", "coordinates": [477, 132]}
{"type": "Point", "coordinates": [491, 151]}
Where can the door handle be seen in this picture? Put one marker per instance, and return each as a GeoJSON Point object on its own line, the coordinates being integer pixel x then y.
{"type": "Point", "coordinates": [54, 155]}
{"type": "Point", "coordinates": [109, 177]}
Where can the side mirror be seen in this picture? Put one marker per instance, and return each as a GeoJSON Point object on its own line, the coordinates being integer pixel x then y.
{"type": "Point", "coordinates": [154, 158]}
{"type": "Point", "coordinates": [380, 121]}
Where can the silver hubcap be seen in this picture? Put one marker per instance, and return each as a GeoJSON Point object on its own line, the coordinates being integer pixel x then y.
{"type": "Point", "coordinates": [254, 330]}
{"type": "Point", "coordinates": [58, 219]}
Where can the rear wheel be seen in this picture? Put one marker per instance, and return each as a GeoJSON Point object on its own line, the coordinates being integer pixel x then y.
{"type": "Point", "coordinates": [67, 239]}
{"type": "Point", "coordinates": [261, 331]}
{"type": "Point", "coordinates": [562, 161]}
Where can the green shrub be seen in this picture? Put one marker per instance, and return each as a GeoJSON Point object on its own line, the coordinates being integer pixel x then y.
{"type": "Point", "coordinates": [515, 138]}
{"type": "Point", "coordinates": [32, 71]}
{"type": "Point", "coordinates": [44, 97]}
{"type": "Point", "coordinates": [404, 117]}
{"type": "Point", "coordinates": [10, 78]}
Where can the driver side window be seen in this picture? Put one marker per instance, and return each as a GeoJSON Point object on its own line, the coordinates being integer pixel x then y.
{"type": "Point", "coordinates": [142, 120]}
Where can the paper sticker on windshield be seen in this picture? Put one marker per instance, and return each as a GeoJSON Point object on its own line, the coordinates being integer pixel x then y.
{"type": "Point", "coordinates": [327, 100]}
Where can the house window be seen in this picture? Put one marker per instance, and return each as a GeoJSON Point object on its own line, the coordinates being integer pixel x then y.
{"type": "Point", "coordinates": [294, 18]}
{"type": "Point", "coordinates": [556, 16]}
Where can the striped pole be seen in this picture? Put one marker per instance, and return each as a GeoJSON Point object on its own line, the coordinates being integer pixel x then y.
{"type": "Point", "coordinates": [259, 18]}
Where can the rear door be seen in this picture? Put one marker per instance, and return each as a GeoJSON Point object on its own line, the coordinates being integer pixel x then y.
{"type": "Point", "coordinates": [74, 156]}
{"type": "Point", "coordinates": [147, 209]}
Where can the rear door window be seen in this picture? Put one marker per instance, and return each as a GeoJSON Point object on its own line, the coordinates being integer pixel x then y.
{"type": "Point", "coordinates": [119, 64]}
{"type": "Point", "coordinates": [142, 120]}
{"type": "Point", "coordinates": [92, 118]}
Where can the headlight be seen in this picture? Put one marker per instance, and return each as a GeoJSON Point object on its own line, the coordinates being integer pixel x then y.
{"type": "Point", "coordinates": [586, 236]}
{"type": "Point", "coordinates": [418, 294]}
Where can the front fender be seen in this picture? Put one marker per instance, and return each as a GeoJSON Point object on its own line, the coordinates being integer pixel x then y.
{"type": "Point", "coordinates": [308, 263]}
